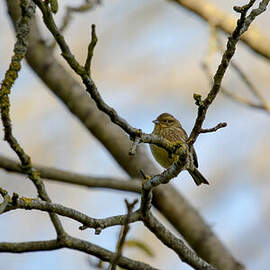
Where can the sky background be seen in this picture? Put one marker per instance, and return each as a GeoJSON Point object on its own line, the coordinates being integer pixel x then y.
{"type": "Point", "coordinates": [147, 61]}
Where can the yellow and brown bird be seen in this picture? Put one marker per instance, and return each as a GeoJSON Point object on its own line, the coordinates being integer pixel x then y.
{"type": "Point", "coordinates": [170, 129]}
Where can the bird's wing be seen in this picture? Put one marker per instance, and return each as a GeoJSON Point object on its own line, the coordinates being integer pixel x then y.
{"type": "Point", "coordinates": [181, 136]}
{"type": "Point", "coordinates": [175, 134]}
{"type": "Point", "coordinates": [194, 155]}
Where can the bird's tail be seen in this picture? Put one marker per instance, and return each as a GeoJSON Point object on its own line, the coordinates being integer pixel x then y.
{"type": "Point", "coordinates": [198, 177]}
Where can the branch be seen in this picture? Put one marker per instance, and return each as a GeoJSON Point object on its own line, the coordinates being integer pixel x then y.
{"type": "Point", "coordinates": [244, 101]}
{"type": "Point", "coordinates": [150, 182]}
{"type": "Point", "coordinates": [240, 99]}
{"type": "Point", "coordinates": [5, 202]}
{"type": "Point", "coordinates": [123, 234]}
{"type": "Point", "coordinates": [254, 38]}
{"type": "Point", "coordinates": [86, 6]}
{"type": "Point", "coordinates": [218, 126]}
{"type": "Point", "coordinates": [167, 238]}
{"type": "Point", "coordinates": [184, 217]}
{"type": "Point", "coordinates": [263, 103]}
{"type": "Point", "coordinates": [153, 224]}
{"type": "Point", "coordinates": [90, 53]}
{"type": "Point", "coordinates": [242, 25]}
{"type": "Point", "coordinates": [74, 178]}
{"type": "Point", "coordinates": [91, 88]}
{"type": "Point", "coordinates": [86, 221]}
{"type": "Point", "coordinates": [134, 146]}
{"type": "Point", "coordinates": [76, 244]}
{"type": "Point", "coordinates": [20, 48]}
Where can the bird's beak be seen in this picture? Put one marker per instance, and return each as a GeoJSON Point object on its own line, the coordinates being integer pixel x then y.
{"type": "Point", "coordinates": [155, 121]}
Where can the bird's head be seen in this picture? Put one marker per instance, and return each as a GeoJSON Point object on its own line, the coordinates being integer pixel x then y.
{"type": "Point", "coordinates": [165, 120]}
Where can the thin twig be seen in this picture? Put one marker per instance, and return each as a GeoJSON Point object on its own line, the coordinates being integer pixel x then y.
{"type": "Point", "coordinates": [91, 48]}
{"type": "Point", "coordinates": [123, 234]}
{"type": "Point", "coordinates": [218, 126]}
{"type": "Point", "coordinates": [232, 96]}
{"type": "Point", "coordinates": [163, 178]}
{"type": "Point", "coordinates": [134, 145]}
{"type": "Point", "coordinates": [204, 241]}
{"type": "Point", "coordinates": [255, 38]}
{"type": "Point", "coordinates": [242, 25]}
{"type": "Point", "coordinates": [264, 104]}
{"type": "Point", "coordinates": [86, 6]}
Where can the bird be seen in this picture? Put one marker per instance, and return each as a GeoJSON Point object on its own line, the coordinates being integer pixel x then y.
{"type": "Point", "coordinates": [169, 128]}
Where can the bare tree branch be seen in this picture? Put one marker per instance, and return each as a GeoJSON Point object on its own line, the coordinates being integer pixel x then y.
{"type": "Point", "coordinates": [86, 6]}
{"type": "Point", "coordinates": [123, 234]}
{"type": "Point", "coordinates": [20, 48]}
{"type": "Point", "coordinates": [74, 178]}
{"type": "Point", "coordinates": [186, 254]}
{"type": "Point", "coordinates": [168, 239]}
{"type": "Point", "coordinates": [76, 244]}
{"type": "Point", "coordinates": [90, 53]}
{"type": "Point", "coordinates": [262, 103]}
{"type": "Point", "coordinates": [218, 126]}
{"type": "Point", "coordinates": [242, 25]}
{"type": "Point", "coordinates": [88, 222]}
{"type": "Point", "coordinates": [184, 217]}
{"type": "Point", "coordinates": [254, 38]}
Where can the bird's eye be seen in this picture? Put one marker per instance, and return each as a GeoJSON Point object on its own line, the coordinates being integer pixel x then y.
{"type": "Point", "coordinates": [170, 121]}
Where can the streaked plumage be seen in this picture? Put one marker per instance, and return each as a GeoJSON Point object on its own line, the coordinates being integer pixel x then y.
{"type": "Point", "coordinates": [170, 128]}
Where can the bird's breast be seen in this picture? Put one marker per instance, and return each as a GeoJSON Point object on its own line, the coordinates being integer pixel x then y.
{"type": "Point", "coordinates": [161, 156]}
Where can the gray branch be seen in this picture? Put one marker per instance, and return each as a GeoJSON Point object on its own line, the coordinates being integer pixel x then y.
{"type": "Point", "coordinates": [74, 178]}
{"type": "Point", "coordinates": [76, 244]}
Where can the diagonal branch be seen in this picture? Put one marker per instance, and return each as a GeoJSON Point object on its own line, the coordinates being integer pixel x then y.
{"type": "Point", "coordinates": [123, 234]}
{"type": "Point", "coordinates": [184, 217]}
{"type": "Point", "coordinates": [242, 25]}
{"type": "Point", "coordinates": [263, 103]}
{"type": "Point", "coordinates": [254, 38]}
{"type": "Point", "coordinates": [167, 238]}
{"type": "Point", "coordinates": [20, 48]}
